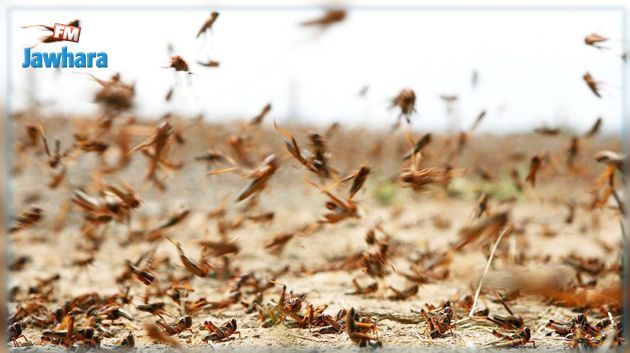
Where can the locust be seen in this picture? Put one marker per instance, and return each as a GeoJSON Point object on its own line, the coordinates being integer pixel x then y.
{"type": "Point", "coordinates": [144, 276]}
{"type": "Point", "coordinates": [440, 222]}
{"type": "Point", "coordinates": [329, 18]}
{"type": "Point", "coordinates": [338, 209]}
{"type": "Point", "coordinates": [179, 64]}
{"type": "Point", "coordinates": [203, 269]}
{"type": "Point", "coordinates": [591, 266]}
{"type": "Point", "coordinates": [26, 219]}
{"type": "Point", "coordinates": [65, 332]}
{"type": "Point", "coordinates": [47, 281]}
{"type": "Point", "coordinates": [258, 119]}
{"type": "Point", "coordinates": [610, 158]}
{"type": "Point", "coordinates": [534, 167]}
{"type": "Point", "coordinates": [438, 324]}
{"type": "Point", "coordinates": [207, 26]}
{"type": "Point", "coordinates": [315, 317]}
{"type": "Point", "coordinates": [485, 174]}
{"type": "Point", "coordinates": [592, 84]}
{"type": "Point", "coordinates": [361, 330]}
{"type": "Point", "coordinates": [115, 203]}
{"type": "Point", "coordinates": [571, 207]}
{"type": "Point", "coordinates": [370, 235]}
{"type": "Point", "coordinates": [14, 332]}
{"type": "Point", "coordinates": [403, 294]}
{"type": "Point", "coordinates": [291, 304]}
{"type": "Point", "coordinates": [260, 177]}
{"type": "Point", "coordinates": [84, 338]}
{"type": "Point", "coordinates": [156, 147]}
{"type": "Point", "coordinates": [406, 102]}
{"type": "Point", "coordinates": [462, 141]}
{"type": "Point", "coordinates": [594, 130]}
{"type": "Point", "coordinates": [227, 225]}
{"type": "Point", "coordinates": [174, 328]}
{"type": "Point", "coordinates": [429, 273]}
{"type": "Point", "coordinates": [155, 333]}
{"type": "Point", "coordinates": [30, 139]}
{"type": "Point", "coordinates": [192, 307]}
{"type": "Point", "coordinates": [240, 145]}
{"type": "Point", "coordinates": [332, 130]}
{"type": "Point", "coordinates": [175, 219]}
{"type": "Point", "coordinates": [333, 325]}
{"type": "Point", "coordinates": [450, 101]}
{"type": "Point", "coordinates": [263, 218]}
{"type": "Point", "coordinates": [110, 311]}
{"type": "Point", "coordinates": [85, 144]}
{"type": "Point", "coordinates": [19, 263]}
{"type": "Point", "coordinates": [279, 241]}
{"type": "Point", "coordinates": [516, 179]}
{"type": "Point", "coordinates": [55, 160]}
{"type": "Point", "coordinates": [220, 248]}
{"type": "Point", "coordinates": [122, 146]}
{"type": "Point", "coordinates": [422, 142]}
{"type": "Point", "coordinates": [130, 271]}
{"type": "Point", "coordinates": [419, 179]}
{"type": "Point", "coordinates": [606, 180]}
{"type": "Point", "coordinates": [83, 262]}
{"type": "Point", "coordinates": [169, 94]}
{"type": "Point", "coordinates": [358, 178]}
{"type": "Point", "coordinates": [209, 63]}
{"type": "Point", "coordinates": [547, 131]}
{"type": "Point", "coordinates": [287, 306]}
{"type": "Point", "coordinates": [127, 342]}
{"type": "Point", "coordinates": [363, 91]}
{"type": "Point", "coordinates": [316, 162]}
{"type": "Point", "coordinates": [573, 151]}
{"type": "Point", "coordinates": [448, 98]}
{"type": "Point", "coordinates": [482, 205]}
{"type": "Point", "coordinates": [520, 338]}
{"type": "Point", "coordinates": [360, 290]}
{"type": "Point", "coordinates": [114, 96]}
{"type": "Point", "coordinates": [156, 308]}
{"type": "Point", "coordinates": [594, 40]}
{"type": "Point", "coordinates": [511, 322]}
{"type": "Point", "coordinates": [219, 211]}
{"type": "Point", "coordinates": [319, 159]}
{"type": "Point", "coordinates": [580, 333]}
{"type": "Point", "coordinates": [478, 120]}
{"type": "Point", "coordinates": [373, 261]}
{"type": "Point", "coordinates": [231, 299]}
{"type": "Point", "coordinates": [221, 333]}
{"type": "Point", "coordinates": [486, 230]}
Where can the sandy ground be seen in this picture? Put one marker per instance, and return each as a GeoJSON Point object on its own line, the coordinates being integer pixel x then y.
{"type": "Point", "coordinates": [410, 218]}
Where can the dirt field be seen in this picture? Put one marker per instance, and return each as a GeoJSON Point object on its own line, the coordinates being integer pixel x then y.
{"type": "Point", "coordinates": [417, 225]}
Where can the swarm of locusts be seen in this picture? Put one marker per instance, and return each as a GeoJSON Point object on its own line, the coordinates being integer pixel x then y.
{"type": "Point", "coordinates": [294, 235]}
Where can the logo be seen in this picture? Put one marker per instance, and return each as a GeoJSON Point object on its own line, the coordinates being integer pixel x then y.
{"type": "Point", "coordinates": [66, 32]}
{"type": "Point", "coordinates": [70, 32]}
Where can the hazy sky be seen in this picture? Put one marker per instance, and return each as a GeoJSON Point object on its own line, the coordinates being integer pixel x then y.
{"type": "Point", "coordinates": [530, 64]}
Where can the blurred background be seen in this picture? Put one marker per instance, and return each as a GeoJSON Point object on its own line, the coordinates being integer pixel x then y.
{"type": "Point", "coordinates": [524, 67]}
